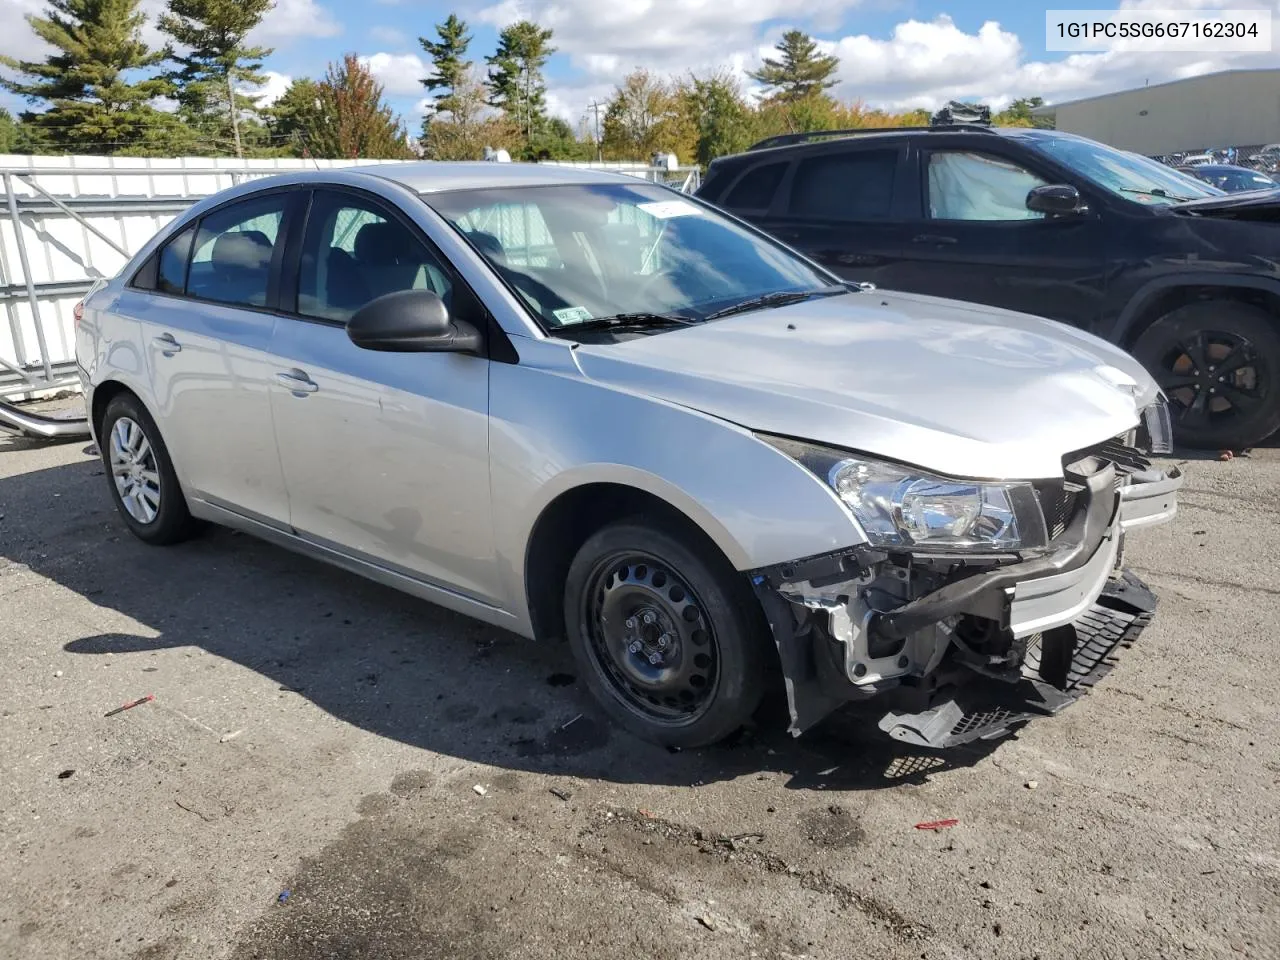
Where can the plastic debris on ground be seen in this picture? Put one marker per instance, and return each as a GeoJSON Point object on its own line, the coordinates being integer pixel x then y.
{"type": "Point", "coordinates": [937, 824]}
{"type": "Point", "coordinates": [130, 705]}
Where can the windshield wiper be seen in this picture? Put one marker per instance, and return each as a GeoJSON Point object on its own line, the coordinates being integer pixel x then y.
{"type": "Point", "coordinates": [634, 320]}
{"type": "Point", "coordinates": [1155, 192]}
{"type": "Point", "coordinates": [779, 299]}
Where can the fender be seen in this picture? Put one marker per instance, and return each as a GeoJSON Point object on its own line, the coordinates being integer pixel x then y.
{"type": "Point", "coordinates": [1147, 293]}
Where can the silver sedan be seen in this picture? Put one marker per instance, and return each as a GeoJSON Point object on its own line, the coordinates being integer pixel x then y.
{"type": "Point", "coordinates": [579, 405]}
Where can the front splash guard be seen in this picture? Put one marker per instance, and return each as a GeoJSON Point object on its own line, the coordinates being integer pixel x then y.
{"type": "Point", "coordinates": [985, 709]}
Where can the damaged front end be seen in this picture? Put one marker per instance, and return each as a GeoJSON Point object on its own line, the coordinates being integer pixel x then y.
{"type": "Point", "coordinates": [962, 647]}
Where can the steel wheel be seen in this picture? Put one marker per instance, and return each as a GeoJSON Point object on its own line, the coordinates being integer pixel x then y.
{"type": "Point", "coordinates": [650, 638]}
{"type": "Point", "coordinates": [135, 470]}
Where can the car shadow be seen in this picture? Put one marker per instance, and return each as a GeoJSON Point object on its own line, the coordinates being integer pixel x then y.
{"type": "Point", "coordinates": [391, 664]}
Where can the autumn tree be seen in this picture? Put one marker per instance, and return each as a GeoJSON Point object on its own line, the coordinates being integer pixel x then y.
{"type": "Point", "coordinates": [213, 66]}
{"type": "Point", "coordinates": [353, 121]}
{"type": "Point", "coordinates": [799, 71]}
{"type": "Point", "coordinates": [638, 117]}
{"type": "Point", "coordinates": [465, 130]}
{"type": "Point", "coordinates": [516, 84]}
{"type": "Point", "coordinates": [87, 85]}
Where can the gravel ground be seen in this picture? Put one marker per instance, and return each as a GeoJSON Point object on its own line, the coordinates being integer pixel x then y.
{"type": "Point", "coordinates": [304, 783]}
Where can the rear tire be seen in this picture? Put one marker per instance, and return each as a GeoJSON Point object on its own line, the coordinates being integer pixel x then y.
{"type": "Point", "coordinates": [140, 474]}
{"type": "Point", "coordinates": [1219, 363]}
{"type": "Point", "coordinates": [665, 633]}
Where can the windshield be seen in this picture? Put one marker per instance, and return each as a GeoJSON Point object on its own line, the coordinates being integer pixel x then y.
{"type": "Point", "coordinates": [1132, 176]}
{"type": "Point", "coordinates": [582, 252]}
{"type": "Point", "coordinates": [1234, 179]}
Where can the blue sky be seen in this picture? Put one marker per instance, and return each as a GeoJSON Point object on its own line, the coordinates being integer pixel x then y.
{"type": "Point", "coordinates": [894, 53]}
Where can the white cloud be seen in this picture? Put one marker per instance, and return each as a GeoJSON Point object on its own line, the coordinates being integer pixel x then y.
{"type": "Point", "coordinates": [271, 91]}
{"type": "Point", "coordinates": [16, 38]}
{"type": "Point", "coordinates": [399, 73]}
{"type": "Point", "coordinates": [292, 20]}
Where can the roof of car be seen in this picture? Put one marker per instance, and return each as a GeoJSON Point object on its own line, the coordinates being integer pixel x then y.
{"type": "Point", "coordinates": [1226, 168]}
{"type": "Point", "coordinates": [802, 140]}
{"type": "Point", "coordinates": [430, 176]}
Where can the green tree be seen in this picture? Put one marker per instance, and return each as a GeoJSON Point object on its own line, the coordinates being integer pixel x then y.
{"type": "Point", "coordinates": [638, 117]}
{"type": "Point", "coordinates": [1018, 114]}
{"type": "Point", "coordinates": [214, 64]}
{"type": "Point", "coordinates": [516, 85]}
{"type": "Point", "coordinates": [800, 71]}
{"type": "Point", "coordinates": [720, 116]}
{"type": "Point", "coordinates": [353, 121]}
{"type": "Point", "coordinates": [295, 117]}
{"type": "Point", "coordinates": [9, 132]}
{"type": "Point", "coordinates": [450, 67]}
{"type": "Point", "coordinates": [93, 103]}
{"type": "Point", "coordinates": [464, 131]}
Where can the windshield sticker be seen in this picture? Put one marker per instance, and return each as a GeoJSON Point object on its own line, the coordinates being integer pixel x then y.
{"type": "Point", "coordinates": [666, 209]}
{"type": "Point", "coordinates": [572, 314]}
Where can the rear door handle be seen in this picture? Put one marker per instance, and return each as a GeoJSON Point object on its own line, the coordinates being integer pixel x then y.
{"type": "Point", "coordinates": [166, 344]}
{"type": "Point", "coordinates": [297, 382]}
{"type": "Point", "coordinates": [934, 238]}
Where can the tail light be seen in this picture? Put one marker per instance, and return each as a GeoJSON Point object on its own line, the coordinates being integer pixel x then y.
{"type": "Point", "coordinates": [78, 312]}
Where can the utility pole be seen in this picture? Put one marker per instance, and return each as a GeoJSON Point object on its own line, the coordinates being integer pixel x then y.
{"type": "Point", "coordinates": [595, 106]}
{"type": "Point", "coordinates": [235, 121]}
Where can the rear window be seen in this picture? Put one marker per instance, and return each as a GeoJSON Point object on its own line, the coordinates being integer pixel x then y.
{"type": "Point", "coordinates": [845, 186]}
{"type": "Point", "coordinates": [756, 188]}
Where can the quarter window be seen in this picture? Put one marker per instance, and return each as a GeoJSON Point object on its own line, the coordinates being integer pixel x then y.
{"type": "Point", "coordinates": [233, 252]}
{"type": "Point", "coordinates": [855, 185]}
{"type": "Point", "coordinates": [355, 252]}
{"type": "Point", "coordinates": [172, 274]}
{"type": "Point", "coordinates": [974, 186]}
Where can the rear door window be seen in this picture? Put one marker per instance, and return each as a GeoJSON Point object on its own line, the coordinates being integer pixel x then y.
{"type": "Point", "coordinates": [846, 185]}
{"type": "Point", "coordinates": [174, 257]}
{"type": "Point", "coordinates": [755, 190]}
{"type": "Point", "coordinates": [234, 249]}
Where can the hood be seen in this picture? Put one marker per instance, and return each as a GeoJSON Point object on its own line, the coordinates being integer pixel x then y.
{"type": "Point", "coordinates": [958, 389]}
{"type": "Point", "coordinates": [1245, 205]}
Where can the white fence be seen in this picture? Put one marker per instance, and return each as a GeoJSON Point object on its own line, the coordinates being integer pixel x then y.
{"type": "Point", "coordinates": [68, 221]}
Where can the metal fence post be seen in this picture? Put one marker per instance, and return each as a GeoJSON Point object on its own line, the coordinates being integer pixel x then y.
{"type": "Point", "coordinates": [21, 243]}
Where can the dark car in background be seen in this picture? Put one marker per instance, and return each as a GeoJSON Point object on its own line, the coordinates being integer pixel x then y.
{"type": "Point", "coordinates": [1230, 178]}
{"type": "Point", "coordinates": [1181, 274]}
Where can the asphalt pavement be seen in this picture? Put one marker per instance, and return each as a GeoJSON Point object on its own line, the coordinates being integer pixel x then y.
{"type": "Point", "coordinates": [331, 769]}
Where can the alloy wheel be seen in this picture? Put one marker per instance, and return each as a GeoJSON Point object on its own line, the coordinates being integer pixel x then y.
{"type": "Point", "coordinates": [1210, 376]}
{"type": "Point", "coordinates": [134, 470]}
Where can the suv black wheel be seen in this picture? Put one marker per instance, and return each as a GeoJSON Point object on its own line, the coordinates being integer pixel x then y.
{"type": "Point", "coordinates": [665, 633]}
{"type": "Point", "coordinates": [142, 480]}
{"type": "Point", "coordinates": [1219, 362]}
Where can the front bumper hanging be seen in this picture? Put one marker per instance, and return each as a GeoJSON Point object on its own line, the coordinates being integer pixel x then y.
{"type": "Point", "coordinates": [1068, 612]}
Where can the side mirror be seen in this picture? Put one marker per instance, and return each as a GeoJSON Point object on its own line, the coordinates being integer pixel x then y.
{"type": "Point", "coordinates": [411, 321]}
{"type": "Point", "coordinates": [1056, 200]}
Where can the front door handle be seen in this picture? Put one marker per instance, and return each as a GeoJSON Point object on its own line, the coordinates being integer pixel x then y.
{"type": "Point", "coordinates": [297, 382]}
{"type": "Point", "coordinates": [934, 238]}
{"type": "Point", "coordinates": [166, 344]}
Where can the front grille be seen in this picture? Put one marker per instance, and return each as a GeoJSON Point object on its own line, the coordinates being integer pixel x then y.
{"type": "Point", "coordinates": [1118, 450]}
{"type": "Point", "coordinates": [1057, 503]}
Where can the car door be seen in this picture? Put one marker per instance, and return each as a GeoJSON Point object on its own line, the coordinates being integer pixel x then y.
{"type": "Point", "coordinates": [978, 241]}
{"type": "Point", "coordinates": [838, 206]}
{"type": "Point", "coordinates": [385, 455]}
{"type": "Point", "coordinates": [206, 323]}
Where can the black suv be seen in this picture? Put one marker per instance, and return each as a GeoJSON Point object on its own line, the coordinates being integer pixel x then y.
{"type": "Point", "coordinates": [1185, 277]}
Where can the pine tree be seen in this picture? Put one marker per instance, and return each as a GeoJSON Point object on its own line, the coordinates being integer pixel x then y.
{"type": "Point", "coordinates": [449, 63]}
{"type": "Point", "coordinates": [515, 78]}
{"type": "Point", "coordinates": [353, 122]}
{"type": "Point", "coordinates": [720, 116]}
{"type": "Point", "coordinates": [801, 71]}
{"type": "Point", "coordinates": [91, 106]}
{"type": "Point", "coordinates": [212, 62]}
{"type": "Point", "coordinates": [294, 118]}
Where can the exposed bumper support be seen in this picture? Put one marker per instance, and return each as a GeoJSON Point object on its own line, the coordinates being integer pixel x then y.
{"type": "Point", "coordinates": [43, 428]}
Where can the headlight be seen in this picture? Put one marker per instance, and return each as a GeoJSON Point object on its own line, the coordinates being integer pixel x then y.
{"type": "Point", "coordinates": [908, 508]}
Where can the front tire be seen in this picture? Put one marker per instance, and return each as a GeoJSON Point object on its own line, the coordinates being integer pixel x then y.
{"type": "Point", "coordinates": [143, 483]}
{"type": "Point", "coordinates": [666, 634]}
{"type": "Point", "coordinates": [1219, 363]}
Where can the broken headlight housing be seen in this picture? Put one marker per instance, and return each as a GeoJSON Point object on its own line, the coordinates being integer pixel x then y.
{"type": "Point", "coordinates": [1156, 432]}
{"type": "Point", "coordinates": [906, 508]}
